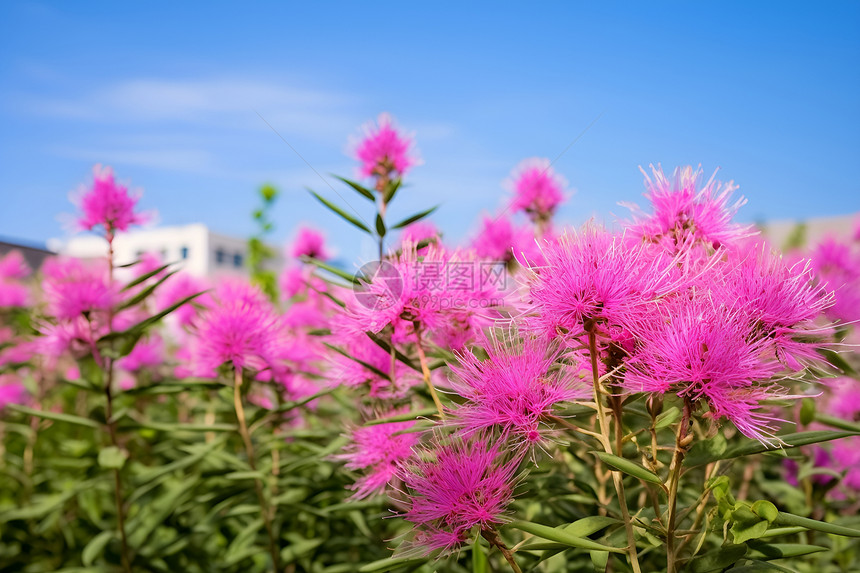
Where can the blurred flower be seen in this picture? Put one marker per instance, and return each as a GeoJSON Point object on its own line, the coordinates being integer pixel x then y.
{"type": "Point", "coordinates": [310, 243]}
{"type": "Point", "coordinates": [11, 390]}
{"type": "Point", "coordinates": [108, 204]}
{"type": "Point", "coordinates": [239, 327]}
{"type": "Point", "coordinates": [384, 151]}
{"type": "Point", "coordinates": [538, 189]}
{"type": "Point", "coordinates": [73, 287]}
{"type": "Point", "coordinates": [13, 268]}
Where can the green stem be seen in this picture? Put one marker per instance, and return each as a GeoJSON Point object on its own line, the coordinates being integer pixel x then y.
{"type": "Point", "coordinates": [492, 536]}
{"type": "Point", "coordinates": [111, 425]}
{"type": "Point", "coordinates": [258, 482]}
{"type": "Point", "coordinates": [607, 446]}
{"type": "Point", "coordinates": [681, 443]}
{"type": "Point", "coordinates": [425, 370]}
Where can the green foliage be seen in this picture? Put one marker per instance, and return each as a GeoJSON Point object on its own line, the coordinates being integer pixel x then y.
{"type": "Point", "coordinates": [260, 255]}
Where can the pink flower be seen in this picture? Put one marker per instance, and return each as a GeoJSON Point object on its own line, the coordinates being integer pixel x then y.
{"type": "Point", "coordinates": [147, 353]}
{"type": "Point", "coordinates": [369, 366]}
{"type": "Point", "coordinates": [595, 277]}
{"type": "Point", "coordinates": [705, 352]}
{"type": "Point", "coordinates": [384, 151]}
{"type": "Point", "coordinates": [838, 267]}
{"type": "Point", "coordinates": [515, 389]}
{"type": "Point", "coordinates": [685, 214]}
{"type": "Point", "coordinates": [108, 204]}
{"type": "Point", "coordinates": [454, 487]}
{"type": "Point", "coordinates": [11, 390]}
{"type": "Point", "coordinates": [538, 189]}
{"type": "Point", "coordinates": [13, 266]}
{"type": "Point", "coordinates": [239, 328]}
{"type": "Point", "coordinates": [73, 287]}
{"type": "Point", "coordinates": [13, 269]}
{"type": "Point", "coordinates": [781, 301]}
{"type": "Point", "coordinates": [177, 288]}
{"type": "Point", "coordinates": [379, 449]}
{"type": "Point", "coordinates": [420, 231]}
{"type": "Point", "coordinates": [309, 243]}
{"type": "Point", "coordinates": [427, 291]}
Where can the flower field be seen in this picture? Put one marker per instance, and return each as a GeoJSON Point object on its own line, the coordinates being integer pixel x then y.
{"type": "Point", "coordinates": [666, 392]}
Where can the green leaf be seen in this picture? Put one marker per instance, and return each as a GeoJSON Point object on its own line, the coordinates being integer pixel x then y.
{"type": "Point", "coordinates": [333, 270]}
{"type": "Point", "coordinates": [667, 418]}
{"type": "Point", "coordinates": [807, 411]}
{"type": "Point", "coordinates": [414, 218]}
{"type": "Point", "coordinates": [145, 293]}
{"type": "Point", "coordinates": [56, 416]}
{"type": "Point", "coordinates": [390, 563]}
{"type": "Point", "coordinates": [790, 520]}
{"type": "Point", "coordinates": [700, 454]}
{"type": "Point", "coordinates": [299, 549]}
{"type": "Point", "coordinates": [718, 559]}
{"type": "Point", "coordinates": [559, 535]}
{"type": "Point", "coordinates": [765, 510]}
{"type": "Point", "coordinates": [405, 417]}
{"type": "Point", "coordinates": [363, 191]}
{"type": "Point", "coordinates": [391, 190]}
{"type": "Point", "coordinates": [768, 551]}
{"type": "Point", "coordinates": [112, 457]}
{"type": "Point", "coordinates": [628, 467]}
{"type": "Point", "coordinates": [479, 559]}
{"type": "Point", "coordinates": [340, 212]}
{"type": "Point", "coordinates": [835, 422]}
{"type": "Point", "coordinates": [95, 547]}
{"type": "Point", "coordinates": [144, 277]}
{"type": "Point", "coordinates": [380, 225]}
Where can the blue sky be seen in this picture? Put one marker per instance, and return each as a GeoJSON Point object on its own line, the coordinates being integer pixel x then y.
{"type": "Point", "coordinates": [168, 94]}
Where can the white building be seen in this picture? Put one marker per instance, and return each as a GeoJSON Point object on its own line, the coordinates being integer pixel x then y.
{"type": "Point", "coordinates": [194, 248]}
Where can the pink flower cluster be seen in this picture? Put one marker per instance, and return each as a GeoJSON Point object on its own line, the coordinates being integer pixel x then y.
{"type": "Point", "coordinates": [384, 151]}
{"type": "Point", "coordinates": [108, 204]}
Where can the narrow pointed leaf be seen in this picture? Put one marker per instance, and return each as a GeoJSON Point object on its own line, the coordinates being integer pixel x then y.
{"type": "Point", "coordinates": [144, 277]}
{"type": "Point", "coordinates": [768, 551]}
{"type": "Point", "coordinates": [791, 520]}
{"type": "Point", "coordinates": [560, 536]}
{"type": "Point", "coordinates": [699, 454]}
{"type": "Point", "coordinates": [333, 270]}
{"type": "Point", "coordinates": [56, 416]}
{"type": "Point", "coordinates": [363, 191]}
{"type": "Point", "coordinates": [628, 467]}
{"type": "Point", "coordinates": [340, 212]}
{"type": "Point", "coordinates": [414, 218]}
{"type": "Point", "coordinates": [406, 417]}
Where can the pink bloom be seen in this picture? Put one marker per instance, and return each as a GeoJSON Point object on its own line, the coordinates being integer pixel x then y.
{"type": "Point", "coordinates": [538, 189]}
{"type": "Point", "coordinates": [384, 151]}
{"type": "Point", "coordinates": [702, 351]}
{"type": "Point", "coordinates": [516, 388]}
{"type": "Point", "coordinates": [420, 231]}
{"type": "Point", "coordinates": [369, 366]}
{"type": "Point", "coordinates": [239, 328]}
{"type": "Point", "coordinates": [593, 276]}
{"type": "Point", "coordinates": [838, 267]}
{"type": "Point", "coordinates": [11, 390]}
{"type": "Point", "coordinates": [310, 243]}
{"type": "Point", "coordinates": [428, 291]}
{"type": "Point", "coordinates": [108, 204]}
{"type": "Point", "coordinates": [13, 266]}
{"type": "Point", "coordinates": [379, 449]}
{"type": "Point", "coordinates": [781, 301]}
{"type": "Point", "coordinates": [177, 288]}
{"type": "Point", "coordinates": [147, 353]}
{"type": "Point", "coordinates": [13, 269]}
{"type": "Point", "coordinates": [73, 287]}
{"type": "Point", "coordinates": [687, 213]}
{"type": "Point", "coordinates": [455, 487]}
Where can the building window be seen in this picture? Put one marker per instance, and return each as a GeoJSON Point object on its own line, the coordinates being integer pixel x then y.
{"type": "Point", "coordinates": [183, 252]}
{"type": "Point", "coordinates": [237, 260]}
{"type": "Point", "coordinates": [220, 256]}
